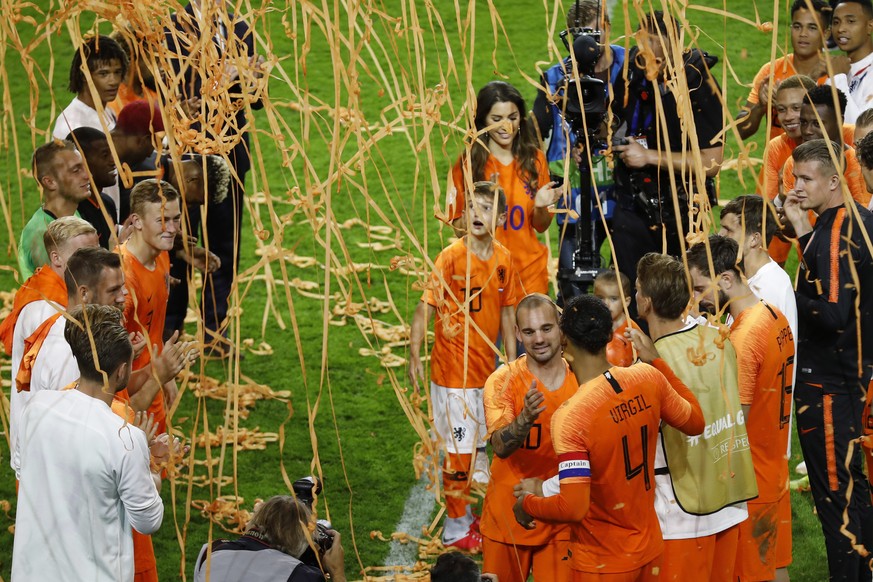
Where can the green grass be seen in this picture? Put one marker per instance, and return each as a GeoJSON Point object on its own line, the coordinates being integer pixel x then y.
{"type": "Point", "coordinates": [344, 420]}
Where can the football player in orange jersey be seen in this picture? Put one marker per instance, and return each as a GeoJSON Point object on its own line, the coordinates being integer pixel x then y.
{"type": "Point", "coordinates": [155, 215]}
{"type": "Point", "coordinates": [764, 342]}
{"type": "Point", "coordinates": [520, 399]}
{"type": "Point", "coordinates": [472, 295]}
{"type": "Point", "coordinates": [604, 437]}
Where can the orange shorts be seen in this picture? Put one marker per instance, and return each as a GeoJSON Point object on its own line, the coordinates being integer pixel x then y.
{"type": "Point", "coordinates": [513, 563]}
{"type": "Point", "coordinates": [710, 557]}
{"type": "Point", "coordinates": [765, 540]}
{"type": "Point", "coordinates": [648, 573]}
{"type": "Point", "coordinates": [144, 558]}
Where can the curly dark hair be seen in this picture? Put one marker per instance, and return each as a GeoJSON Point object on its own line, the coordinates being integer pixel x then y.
{"type": "Point", "coordinates": [97, 49]}
{"type": "Point", "coordinates": [524, 146]}
{"type": "Point", "coordinates": [586, 322]}
{"type": "Point", "coordinates": [864, 151]}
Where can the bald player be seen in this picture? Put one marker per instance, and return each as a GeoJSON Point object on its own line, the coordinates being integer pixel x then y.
{"type": "Point", "coordinates": [520, 399]}
{"type": "Point", "coordinates": [605, 438]}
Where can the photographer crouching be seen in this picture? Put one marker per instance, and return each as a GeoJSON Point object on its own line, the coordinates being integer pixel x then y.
{"type": "Point", "coordinates": [656, 144]}
{"type": "Point", "coordinates": [274, 547]}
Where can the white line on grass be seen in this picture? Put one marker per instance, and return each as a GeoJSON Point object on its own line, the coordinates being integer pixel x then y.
{"type": "Point", "coordinates": [416, 514]}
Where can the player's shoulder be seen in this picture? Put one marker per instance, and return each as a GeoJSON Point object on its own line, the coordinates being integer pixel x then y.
{"type": "Point", "coordinates": [508, 376]}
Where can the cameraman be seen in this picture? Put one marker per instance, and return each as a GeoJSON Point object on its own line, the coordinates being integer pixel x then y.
{"type": "Point", "coordinates": [588, 15]}
{"type": "Point", "coordinates": [275, 539]}
{"type": "Point", "coordinates": [644, 174]}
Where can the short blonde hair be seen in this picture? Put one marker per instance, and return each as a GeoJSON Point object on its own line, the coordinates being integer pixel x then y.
{"type": "Point", "coordinates": [64, 229]}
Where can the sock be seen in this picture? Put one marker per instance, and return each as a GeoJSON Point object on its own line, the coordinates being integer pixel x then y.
{"type": "Point", "coordinates": [456, 484]}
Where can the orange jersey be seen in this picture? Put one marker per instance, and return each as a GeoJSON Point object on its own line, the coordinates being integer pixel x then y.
{"type": "Point", "coordinates": [504, 401]}
{"type": "Point", "coordinates": [145, 310]}
{"type": "Point", "coordinates": [529, 255]}
{"type": "Point", "coordinates": [765, 364]}
{"type": "Point", "coordinates": [469, 295]}
{"type": "Point", "coordinates": [619, 350]}
{"type": "Point", "coordinates": [854, 178]}
{"type": "Point", "coordinates": [777, 152]}
{"type": "Point", "coordinates": [605, 436]}
{"type": "Point", "coordinates": [44, 284]}
{"type": "Point", "coordinates": [126, 96]}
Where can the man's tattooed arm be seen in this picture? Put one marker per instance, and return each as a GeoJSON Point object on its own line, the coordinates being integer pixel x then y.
{"type": "Point", "coordinates": [510, 438]}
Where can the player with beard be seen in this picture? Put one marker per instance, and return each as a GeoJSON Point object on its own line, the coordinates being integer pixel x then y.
{"type": "Point", "coordinates": [604, 437]}
{"type": "Point", "coordinates": [520, 399]}
{"type": "Point", "coordinates": [85, 484]}
{"type": "Point", "coordinates": [765, 361]}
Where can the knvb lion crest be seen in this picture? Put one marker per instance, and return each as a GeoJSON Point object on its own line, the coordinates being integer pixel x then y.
{"type": "Point", "coordinates": [501, 275]}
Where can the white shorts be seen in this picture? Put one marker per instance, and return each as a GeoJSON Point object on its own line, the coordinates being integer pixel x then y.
{"type": "Point", "coordinates": [459, 418]}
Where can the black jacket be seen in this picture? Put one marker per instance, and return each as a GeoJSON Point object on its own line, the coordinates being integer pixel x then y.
{"type": "Point", "coordinates": [834, 298]}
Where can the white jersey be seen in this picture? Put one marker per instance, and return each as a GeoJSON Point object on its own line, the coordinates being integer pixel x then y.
{"type": "Point", "coordinates": [31, 317]}
{"type": "Point", "coordinates": [84, 482]}
{"type": "Point", "coordinates": [858, 87]}
{"type": "Point", "coordinates": [54, 367]}
{"type": "Point", "coordinates": [77, 115]}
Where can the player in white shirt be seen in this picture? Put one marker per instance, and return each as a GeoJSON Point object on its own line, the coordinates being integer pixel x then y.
{"type": "Point", "coordinates": [851, 26]}
{"type": "Point", "coordinates": [742, 219]}
{"type": "Point", "coordinates": [107, 66]}
{"type": "Point", "coordinates": [84, 471]}
{"type": "Point", "coordinates": [65, 235]}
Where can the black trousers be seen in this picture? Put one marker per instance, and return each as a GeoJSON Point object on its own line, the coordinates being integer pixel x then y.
{"type": "Point", "coordinates": [220, 234]}
{"type": "Point", "coordinates": [633, 237]}
{"type": "Point", "coordinates": [828, 420]}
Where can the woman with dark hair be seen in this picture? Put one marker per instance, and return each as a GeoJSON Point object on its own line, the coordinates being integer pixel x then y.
{"type": "Point", "coordinates": [504, 149]}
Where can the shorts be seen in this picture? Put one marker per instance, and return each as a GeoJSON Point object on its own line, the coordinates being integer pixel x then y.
{"type": "Point", "coordinates": [765, 540]}
{"type": "Point", "coordinates": [711, 557]}
{"type": "Point", "coordinates": [459, 418]}
{"type": "Point", "coordinates": [513, 563]}
{"type": "Point", "coordinates": [648, 573]}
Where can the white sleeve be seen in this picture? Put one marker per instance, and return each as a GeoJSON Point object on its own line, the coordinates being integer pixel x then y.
{"type": "Point", "coordinates": [136, 488]}
{"type": "Point", "coordinates": [841, 82]}
{"type": "Point", "coordinates": [551, 487]}
{"type": "Point", "coordinates": [62, 129]}
{"type": "Point", "coordinates": [15, 445]}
